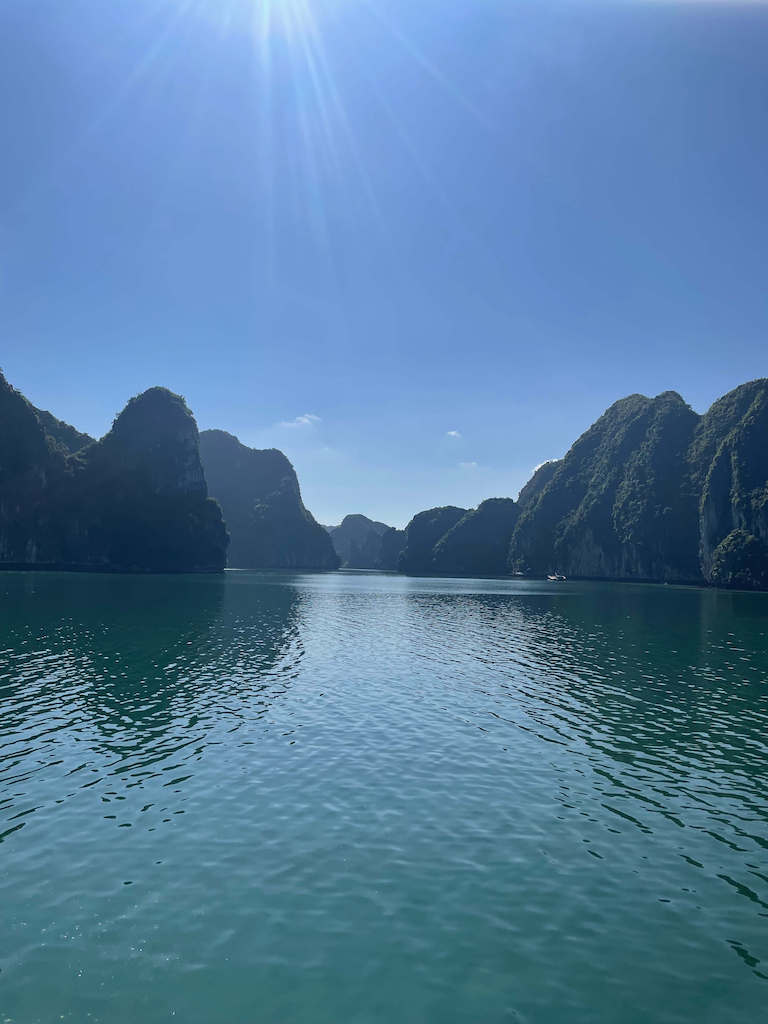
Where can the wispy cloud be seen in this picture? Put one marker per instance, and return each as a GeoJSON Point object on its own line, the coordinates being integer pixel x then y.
{"type": "Point", "coordinates": [469, 466]}
{"type": "Point", "coordinates": [455, 434]}
{"type": "Point", "coordinates": [307, 419]}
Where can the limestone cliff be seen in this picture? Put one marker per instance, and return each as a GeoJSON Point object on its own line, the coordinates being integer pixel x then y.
{"type": "Point", "coordinates": [392, 544]}
{"type": "Point", "coordinates": [140, 500]}
{"type": "Point", "coordinates": [134, 501]}
{"type": "Point", "coordinates": [479, 541]}
{"type": "Point", "coordinates": [64, 435]}
{"type": "Point", "coordinates": [357, 540]}
{"type": "Point", "coordinates": [259, 493]}
{"type": "Point", "coordinates": [422, 534]}
{"type": "Point", "coordinates": [616, 505]}
{"type": "Point", "coordinates": [654, 491]}
{"type": "Point", "coordinates": [730, 462]}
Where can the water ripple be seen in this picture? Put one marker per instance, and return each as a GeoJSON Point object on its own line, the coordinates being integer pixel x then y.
{"type": "Point", "coordinates": [361, 797]}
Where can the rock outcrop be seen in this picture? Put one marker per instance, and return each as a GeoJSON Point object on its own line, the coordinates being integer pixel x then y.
{"type": "Point", "coordinates": [617, 505]}
{"type": "Point", "coordinates": [259, 493]}
{"type": "Point", "coordinates": [730, 469]}
{"type": "Point", "coordinates": [357, 541]}
{"type": "Point", "coordinates": [479, 541]}
{"type": "Point", "coordinates": [654, 491]}
{"type": "Point", "coordinates": [134, 501]}
{"type": "Point", "coordinates": [32, 469]}
{"type": "Point", "coordinates": [392, 544]}
{"type": "Point", "coordinates": [541, 477]}
{"type": "Point", "coordinates": [67, 437]}
{"type": "Point", "coordinates": [422, 534]}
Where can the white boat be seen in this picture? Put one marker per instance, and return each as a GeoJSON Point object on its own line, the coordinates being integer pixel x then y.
{"type": "Point", "coordinates": [555, 577]}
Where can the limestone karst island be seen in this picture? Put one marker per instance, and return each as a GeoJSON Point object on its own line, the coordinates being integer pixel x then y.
{"type": "Point", "coordinates": [650, 492]}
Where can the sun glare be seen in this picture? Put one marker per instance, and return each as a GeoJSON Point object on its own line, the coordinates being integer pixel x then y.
{"type": "Point", "coordinates": [264, 18]}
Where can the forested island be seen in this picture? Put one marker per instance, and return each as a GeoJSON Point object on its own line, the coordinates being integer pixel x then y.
{"type": "Point", "coordinates": [651, 491]}
{"type": "Point", "coordinates": [139, 499]}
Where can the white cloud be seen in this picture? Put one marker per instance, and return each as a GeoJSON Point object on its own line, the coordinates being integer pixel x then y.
{"type": "Point", "coordinates": [469, 465]}
{"type": "Point", "coordinates": [455, 434]}
{"type": "Point", "coordinates": [307, 419]}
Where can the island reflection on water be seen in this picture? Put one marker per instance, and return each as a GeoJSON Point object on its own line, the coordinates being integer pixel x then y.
{"type": "Point", "coordinates": [414, 777]}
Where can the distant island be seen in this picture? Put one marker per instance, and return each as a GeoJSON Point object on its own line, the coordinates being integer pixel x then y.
{"type": "Point", "coordinates": [362, 543]}
{"type": "Point", "coordinates": [651, 491]}
{"type": "Point", "coordinates": [269, 527]}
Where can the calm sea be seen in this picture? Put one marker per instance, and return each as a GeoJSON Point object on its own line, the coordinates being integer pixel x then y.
{"type": "Point", "coordinates": [361, 798]}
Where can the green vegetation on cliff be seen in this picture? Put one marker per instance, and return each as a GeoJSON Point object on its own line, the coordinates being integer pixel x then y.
{"type": "Point", "coordinates": [67, 437]}
{"type": "Point", "coordinates": [422, 534]}
{"type": "Point", "coordinates": [136, 500]}
{"type": "Point", "coordinates": [615, 505]}
{"type": "Point", "coordinates": [740, 560]}
{"type": "Point", "coordinates": [541, 477]}
{"type": "Point", "coordinates": [479, 541]}
{"type": "Point", "coordinates": [258, 491]}
{"type": "Point", "coordinates": [730, 464]}
{"type": "Point", "coordinates": [652, 491]}
{"type": "Point", "coordinates": [392, 544]}
{"type": "Point", "coordinates": [144, 495]}
{"type": "Point", "coordinates": [357, 541]}
{"type": "Point", "coordinates": [32, 468]}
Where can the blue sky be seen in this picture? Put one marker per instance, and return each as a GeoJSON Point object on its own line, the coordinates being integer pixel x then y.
{"type": "Point", "coordinates": [419, 245]}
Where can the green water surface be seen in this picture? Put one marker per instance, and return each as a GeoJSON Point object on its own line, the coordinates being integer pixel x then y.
{"type": "Point", "coordinates": [362, 798]}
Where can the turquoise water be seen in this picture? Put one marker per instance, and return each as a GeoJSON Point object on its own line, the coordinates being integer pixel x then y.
{"type": "Point", "coordinates": [361, 798]}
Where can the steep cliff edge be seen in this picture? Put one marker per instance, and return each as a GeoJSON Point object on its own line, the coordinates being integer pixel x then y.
{"type": "Point", "coordinates": [134, 501]}
{"type": "Point", "coordinates": [617, 505]}
{"type": "Point", "coordinates": [729, 460]}
{"type": "Point", "coordinates": [31, 469]}
{"type": "Point", "coordinates": [259, 493]}
{"type": "Point", "coordinates": [141, 500]}
{"type": "Point", "coordinates": [654, 491]}
{"type": "Point", "coordinates": [541, 477]}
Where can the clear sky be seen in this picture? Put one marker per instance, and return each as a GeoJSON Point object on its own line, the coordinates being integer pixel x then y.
{"type": "Point", "coordinates": [419, 245]}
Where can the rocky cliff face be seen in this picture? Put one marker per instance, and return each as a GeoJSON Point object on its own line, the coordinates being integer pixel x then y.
{"type": "Point", "coordinates": [144, 495]}
{"type": "Point", "coordinates": [31, 469]}
{"type": "Point", "coordinates": [258, 491]}
{"type": "Point", "coordinates": [134, 501]}
{"type": "Point", "coordinates": [541, 477]}
{"type": "Point", "coordinates": [479, 541]}
{"type": "Point", "coordinates": [654, 491]}
{"type": "Point", "coordinates": [357, 541]}
{"type": "Point", "coordinates": [392, 544]}
{"type": "Point", "coordinates": [422, 534]}
{"type": "Point", "coordinates": [730, 464]}
{"type": "Point", "coordinates": [615, 506]}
